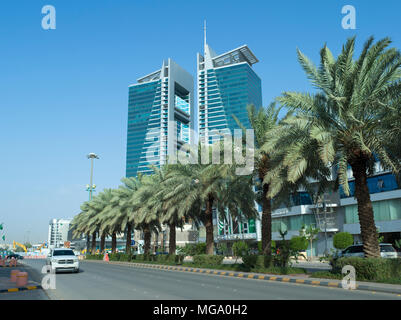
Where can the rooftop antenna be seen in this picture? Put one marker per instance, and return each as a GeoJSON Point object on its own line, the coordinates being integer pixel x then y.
{"type": "Point", "coordinates": [205, 42]}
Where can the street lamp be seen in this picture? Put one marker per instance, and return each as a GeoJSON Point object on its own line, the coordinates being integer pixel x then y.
{"type": "Point", "coordinates": [91, 187]}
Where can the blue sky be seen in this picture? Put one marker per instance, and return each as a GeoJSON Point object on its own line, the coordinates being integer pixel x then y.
{"type": "Point", "coordinates": [64, 92]}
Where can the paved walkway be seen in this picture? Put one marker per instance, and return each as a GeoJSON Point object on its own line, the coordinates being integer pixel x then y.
{"type": "Point", "coordinates": [10, 291]}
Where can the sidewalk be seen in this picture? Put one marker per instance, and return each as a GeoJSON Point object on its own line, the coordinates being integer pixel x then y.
{"type": "Point", "coordinates": [8, 287]}
{"type": "Point", "coordinates": [298, 278]}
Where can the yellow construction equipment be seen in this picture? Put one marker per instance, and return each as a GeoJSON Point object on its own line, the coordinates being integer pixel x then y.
{"type": "Point", "coordinates": [41, 246]}
{"type": "Point", "coordinates": [15, 244]}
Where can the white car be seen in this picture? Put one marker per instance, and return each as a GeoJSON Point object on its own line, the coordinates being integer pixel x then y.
{"type": "Point", "coordinates": [62, 259]}
{"type": "Point", "coordinates": [386, 251]}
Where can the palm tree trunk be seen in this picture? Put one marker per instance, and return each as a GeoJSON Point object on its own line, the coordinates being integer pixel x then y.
{"type": "Point", "coordinates": [88, 242]}
{"type": "Point", "coordinates": [266, 209]}
{"type": "Point", "coordinates": [128, 243]}
{"type": "Point", "coordinates": [209, 225]}
{"type": "Point", "coordinates": [365, 210]}
{"type": "Point", "coordinates": [113, 242]}
{"type": "Point", "coordinates": [146, 236]}
{"type": "Point", "coordinates": [266, 223]}
{"type": "Point", "coordinates": [172, 239]}
{"type": "Point", "coordinates": [93, 251]}
{"type": "Point", "coordinates": [102, 242]}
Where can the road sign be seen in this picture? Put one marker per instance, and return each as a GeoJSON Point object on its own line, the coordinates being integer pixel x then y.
{"type": "Point", "coordinates": [132, 242]}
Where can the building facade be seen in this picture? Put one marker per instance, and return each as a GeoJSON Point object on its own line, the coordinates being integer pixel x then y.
{"type": "Point", "coordinates": [385, 194]}
{"type": "Point", "coordinates": [59, 232]}
{"type": "Point", "coordinates": [339, 212]}
{"type": "Point", "coordinates": [160, 117]}
{"type": "Point", "coordinates": [226, 84]}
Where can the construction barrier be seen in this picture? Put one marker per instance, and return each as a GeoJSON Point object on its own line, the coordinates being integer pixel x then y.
{"type": "Point", "coordinates": [22, 279]}
{"type": "Point", "coordinates": [13, 277]}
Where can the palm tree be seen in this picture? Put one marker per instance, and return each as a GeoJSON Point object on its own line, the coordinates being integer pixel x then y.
{"type": "Point", "coordinates": [119, 217]}
{"type": "Point", "coordinates": [142, 211]}
{"type": "Point", "coordinates": [157, 205]}
{"type": "Point", "coordinates": [200, 187]}
{"type": "Point", "coordinates": [343, 124]}
{"type": "Point", "coordinates": [263, 120]}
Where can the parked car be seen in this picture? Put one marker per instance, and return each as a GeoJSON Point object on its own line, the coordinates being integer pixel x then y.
{"type": "Point", "coordinates": [15, 255]}
{"type": "Point", "coordinates": [62, 259]}
{"type": "Point", "coordinates": [356, 250]}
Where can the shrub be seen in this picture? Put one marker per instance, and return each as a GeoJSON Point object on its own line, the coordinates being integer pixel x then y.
{"type": "Point", "coordinates": [170, 258]}
{"type": "Point", "coordinates": [146, 257]}
{"type": "Point", "coordinates": [273, 247]}
{"type": "Point", "coordinates": [369, 268]}
{"type": "Point", "coordinates": [94, 256]}
{"type": "Point", "coordinates": [240, 249]}
{"type": "Point", "coordinates": [114, 256]}
{"type": "Point", "coordinates": [192, 249]}
{"type": "Point", "coordinates": [175, 258]}
{"type": "Point", "coordinates": [126, 257]}
{"type": "Point", "coordinates": [256, 261]}
{"type": "Point", "coordinates": [298, 243]}
{"type": "Point", "coordinates": [342, 240]}
{"type": "Point", "coordinates": [222, 248]}
{"type": "Point", "coordinates": [209, 260]}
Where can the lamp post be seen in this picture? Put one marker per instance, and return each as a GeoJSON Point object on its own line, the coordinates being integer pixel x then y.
{"type": "Point", "coordinates": [91, 187]}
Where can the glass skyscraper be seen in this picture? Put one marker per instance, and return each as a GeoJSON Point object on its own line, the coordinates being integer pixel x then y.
{"type": "Point", "coordinates": [227, 84]}
{"type": "Point", "coordinates": [160, 116]}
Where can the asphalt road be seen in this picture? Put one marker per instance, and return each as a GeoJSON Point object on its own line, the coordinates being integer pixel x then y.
{"type": "Point", "coordinates": [107, 281]}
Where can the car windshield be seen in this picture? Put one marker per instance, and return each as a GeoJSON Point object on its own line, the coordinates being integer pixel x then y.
{"type": "Point", "coordinates": [353, 249]}
{"type": "Point", "coordinates": [63, 253]}
{"type": "Point", "coordinates": [387, 248]}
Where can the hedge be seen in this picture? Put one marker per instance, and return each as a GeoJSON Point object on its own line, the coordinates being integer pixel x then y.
{"type": "Point", "coordinates": [209, 260]}
{"type": "Point", "coordinates": [138, 258]}
{"type": "Point", "coordinates": [298, 243]}
{"type": "Point", "coordinates": [256, 261]}
{"type": "Point", "coordinates": [94, 256]}
{"type": "Point", "coordinates": [369, 268]}
{"type": "Point", "coordinates": [342, 240]}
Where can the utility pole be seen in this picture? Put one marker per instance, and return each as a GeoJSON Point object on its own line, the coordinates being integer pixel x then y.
{"type": "Point", "coordinates": [91, 187]}
{"type": "Point", "coordinates": [325, 225]}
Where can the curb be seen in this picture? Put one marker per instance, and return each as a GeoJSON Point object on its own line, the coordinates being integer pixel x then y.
{"type": "Point", "coordinates": [246, 275]}
{"type": "Point", "coordinates": [21, 289]}
{"type": "Point", "coordinates": [11, 266]}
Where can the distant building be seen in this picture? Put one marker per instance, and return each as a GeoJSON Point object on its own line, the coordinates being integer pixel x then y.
{"type": "Point", "coordinates": [58, 232]}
